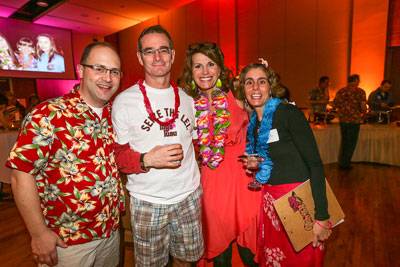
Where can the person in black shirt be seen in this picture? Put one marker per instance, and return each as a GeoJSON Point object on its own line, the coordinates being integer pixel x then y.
{"type": "Point", "coordinates": [280, 134]}
{"type": "Point", "coordinates": [381, 99]}
{"type": "Point", "coordinates": [380, 102]}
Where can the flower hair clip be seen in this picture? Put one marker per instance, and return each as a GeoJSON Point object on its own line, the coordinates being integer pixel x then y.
{"type": "Point", "coordinates": [263, 61]}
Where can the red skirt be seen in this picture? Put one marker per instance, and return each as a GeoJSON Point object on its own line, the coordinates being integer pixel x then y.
{"type": "Point", "coordinates": [274, 247]}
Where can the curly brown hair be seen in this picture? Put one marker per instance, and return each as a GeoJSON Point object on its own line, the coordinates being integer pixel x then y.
{"type": "Point", "coordinates": [212, 51]}
{"type": "Point", "coordinates": [276, 89]}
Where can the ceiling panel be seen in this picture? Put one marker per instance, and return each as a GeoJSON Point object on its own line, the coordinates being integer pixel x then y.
{"type": "Point", "coordinates": [129, 9]}
{"type": "Point", "coordinates": [74, 25]}
{"type": "Point", "coordinates": [101, 17]}
{"type": "Point", "coordinates": [6, 11]}
{"type": "Point", "coordinates": [7, 7]}
{"type": "Point", "coordinates": [13, 3]}
{"type": "Point", "coordinates": [91, 18]}
{"type": "Point", "coordinates": [167, 4]}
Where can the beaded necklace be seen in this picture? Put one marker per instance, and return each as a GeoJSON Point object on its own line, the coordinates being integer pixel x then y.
{"type": "Point", "coordinates": [150, 110]}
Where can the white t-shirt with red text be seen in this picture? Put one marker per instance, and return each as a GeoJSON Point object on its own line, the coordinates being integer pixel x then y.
{"type": "Point", "coordinates": [133, 125]}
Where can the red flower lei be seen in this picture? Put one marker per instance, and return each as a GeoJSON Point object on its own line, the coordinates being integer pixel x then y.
{"type": "Point", "coordinates": [150, 110]}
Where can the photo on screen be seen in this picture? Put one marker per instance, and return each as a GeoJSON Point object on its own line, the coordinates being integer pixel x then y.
{"type": "Point", "coordinates": [35, 51]}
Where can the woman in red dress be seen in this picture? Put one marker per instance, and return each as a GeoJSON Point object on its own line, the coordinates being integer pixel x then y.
{"type": "Point", "coordinates": [229, 209]}
{"type": "Point", "coordinates": [280, 134]}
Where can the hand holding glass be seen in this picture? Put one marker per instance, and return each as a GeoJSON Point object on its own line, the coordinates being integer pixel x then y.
{"type": "Point", "coordinates": [251, 162]}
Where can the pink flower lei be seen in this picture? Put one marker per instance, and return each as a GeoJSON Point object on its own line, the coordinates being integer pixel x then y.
{"type": "Point", "coordinates": [212, 148]}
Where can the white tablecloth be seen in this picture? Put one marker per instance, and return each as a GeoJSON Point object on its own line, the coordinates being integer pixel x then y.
{"type": "Point", "coordinates": [376, 143]}
{"type": "Point", "coordinates": [7, 140]}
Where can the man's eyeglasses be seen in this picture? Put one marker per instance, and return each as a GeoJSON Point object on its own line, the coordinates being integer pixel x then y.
{"type": "Point", "coordinates": [102, 70]}
{"type": "Point", "coordinates": [163, 51]}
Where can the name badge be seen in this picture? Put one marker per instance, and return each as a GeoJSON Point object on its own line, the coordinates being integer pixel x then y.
{"type": "Point", "coordinates": [273, 136]}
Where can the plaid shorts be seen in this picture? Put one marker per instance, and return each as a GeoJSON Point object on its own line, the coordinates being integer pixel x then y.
{"type": "Point", "coordinates": [160, 230]}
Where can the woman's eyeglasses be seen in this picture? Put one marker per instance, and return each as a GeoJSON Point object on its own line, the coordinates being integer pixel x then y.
{"type": "Point", "coordinates": [25, 44]}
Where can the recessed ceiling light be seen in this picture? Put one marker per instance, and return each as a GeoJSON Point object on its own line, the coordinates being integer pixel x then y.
{"type": "Point", "coordinates": [42, 3]}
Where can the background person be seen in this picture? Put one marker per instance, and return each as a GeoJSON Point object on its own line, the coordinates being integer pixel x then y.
{"type": "Point", "coordinates": [4, 120]}
{"type": "Point", "coordinates": [379, 101]}
{"type": "Point", "coordinates": [33, 101]}
{"type": "Point", "coordinates": [14, 111]}
{"type": "Point", "coordinates": [319, 99]}
{"type": "Point", "coordinates": [382, 98]}
{"type": "Point", "coordinates": [350, 103]}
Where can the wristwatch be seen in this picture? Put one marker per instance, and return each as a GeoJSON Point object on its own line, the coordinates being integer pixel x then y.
{"type": "Point", "coordinates": [142, 166]}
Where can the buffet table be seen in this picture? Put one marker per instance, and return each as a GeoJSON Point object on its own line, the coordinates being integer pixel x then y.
{"type": "Point", "coordinates": [376, 143]}
{"type": "Point", "coordinates": [7, 140]}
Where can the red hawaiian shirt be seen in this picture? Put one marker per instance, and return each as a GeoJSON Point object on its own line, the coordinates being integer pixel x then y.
{"type": "Point", "coordinates": [69, 151]}
{"type": "Point", "coordinates": [350, 104]}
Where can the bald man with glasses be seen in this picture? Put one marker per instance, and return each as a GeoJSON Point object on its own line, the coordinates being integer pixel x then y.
{"type": "Point", "coordinates": [65, 178]}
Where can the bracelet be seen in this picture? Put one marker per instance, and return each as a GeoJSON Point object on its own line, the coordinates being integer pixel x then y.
{"type": "Point", "coordinates": [323, 226]}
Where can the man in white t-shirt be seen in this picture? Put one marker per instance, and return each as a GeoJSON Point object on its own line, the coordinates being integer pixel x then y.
{"type": "Point", "coordinates": [157, 120]}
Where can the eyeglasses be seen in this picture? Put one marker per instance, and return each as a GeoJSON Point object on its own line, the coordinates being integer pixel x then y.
{"type": "Point", "coordinates": [102, 70]}
{"type": "Point", "coordinates": [163, 51]}
{"type": "Point", "coordinates": [25, 44]}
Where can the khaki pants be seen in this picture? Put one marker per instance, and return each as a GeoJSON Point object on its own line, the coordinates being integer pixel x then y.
{"type": "Point", "coordinates": [97, 253]}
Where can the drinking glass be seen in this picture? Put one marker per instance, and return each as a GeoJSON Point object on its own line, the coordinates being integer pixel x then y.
{"type": "Point", "coordinates": [252, 165]}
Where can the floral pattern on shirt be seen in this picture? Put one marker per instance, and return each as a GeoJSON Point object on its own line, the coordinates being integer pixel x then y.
{"type": "Point", "coordinates": [69, 151]}
{"type": "Point", "coordinates": [350, 104]}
